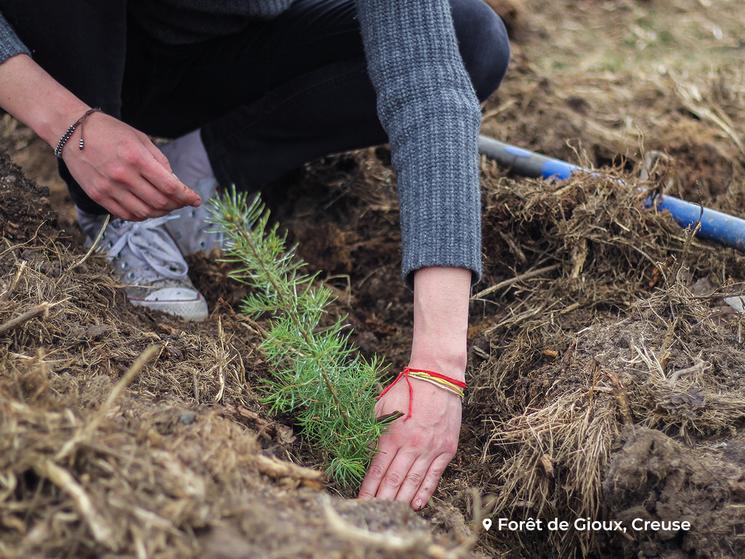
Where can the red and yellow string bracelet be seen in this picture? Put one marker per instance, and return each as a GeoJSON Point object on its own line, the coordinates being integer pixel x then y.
{"type": "Point", "coordinates": [455, 386]}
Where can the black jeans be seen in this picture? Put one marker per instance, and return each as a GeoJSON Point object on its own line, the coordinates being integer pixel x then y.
{"type": "Point", "coordinates": [281, 92]}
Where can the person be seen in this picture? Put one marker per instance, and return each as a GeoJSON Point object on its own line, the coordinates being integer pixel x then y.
{"type": "Point", "coordinates": [249, 90]}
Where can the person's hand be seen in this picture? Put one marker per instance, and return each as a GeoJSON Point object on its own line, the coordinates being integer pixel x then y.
{"type": "Point", "coordinates": [413, 453]}
{"type": "Point", "coordinates": [123, 171]}
{"type": "Point", "coordinates": [120, 168]}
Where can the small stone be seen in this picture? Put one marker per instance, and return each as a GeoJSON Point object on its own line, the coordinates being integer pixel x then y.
{"type": "Point", "coordinates": [188, 417]}
{"type": "Point", "coordinates": [737, 303]}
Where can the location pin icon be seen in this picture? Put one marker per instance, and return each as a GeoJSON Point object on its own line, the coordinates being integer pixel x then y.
{"type": "Point", "coordinates": [487, 523]}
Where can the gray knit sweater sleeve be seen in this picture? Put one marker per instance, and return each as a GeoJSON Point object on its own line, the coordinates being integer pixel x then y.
{"type": "Point", "coordinates": [429, 109]}
{"type": "Point", "coordinates": [10, 44]}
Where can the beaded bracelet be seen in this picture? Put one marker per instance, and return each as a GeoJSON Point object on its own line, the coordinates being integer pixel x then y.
{"type": "Point", "coordinates": [452, 385]}
{"type": "Point", "coordinates": [71, 130]}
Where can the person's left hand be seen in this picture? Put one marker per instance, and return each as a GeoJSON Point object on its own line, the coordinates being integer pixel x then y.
{"type": "Point", "coordinates": [413, 453]}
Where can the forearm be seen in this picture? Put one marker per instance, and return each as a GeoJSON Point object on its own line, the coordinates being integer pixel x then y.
{"type": "Point", "coordinates": [415, 450]}
{"type": "Point", "coordinates": [35, 98]}
{"type": "Point", "coordinates": [441, 297]}
{"type": "Point", "coordinates": [428, 107]}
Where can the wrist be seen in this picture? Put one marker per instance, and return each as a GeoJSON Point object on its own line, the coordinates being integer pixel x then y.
{"type": "Point", "coordinates": [52, 124]}
{"type": "Point", "coordinates": [453, 365]}
{"type": "Point", "coordinates": [441, 297]}
{"type": "Point", "coordinates": [35, 98]}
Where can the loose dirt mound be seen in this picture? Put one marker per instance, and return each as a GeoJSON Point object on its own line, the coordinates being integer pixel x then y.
{"type": "Point", "coordinates": [653, 478]}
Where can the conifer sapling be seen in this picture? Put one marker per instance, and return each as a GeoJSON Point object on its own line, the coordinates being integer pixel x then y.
{"type": "Point", "coordinates": [316, 372]}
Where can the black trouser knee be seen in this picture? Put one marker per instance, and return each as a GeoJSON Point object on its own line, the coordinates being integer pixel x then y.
{"type": "Point", "coordinates": [332, 108]}
{"type": "Point", "coordinates": [279, 94]}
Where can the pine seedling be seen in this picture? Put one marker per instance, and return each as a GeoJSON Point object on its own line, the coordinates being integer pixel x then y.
{"type": "Point", "coordinates": [317, 373]}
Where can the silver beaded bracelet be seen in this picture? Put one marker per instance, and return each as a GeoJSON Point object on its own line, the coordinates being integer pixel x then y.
{"type": "Point", "coordinates": [71, 130]}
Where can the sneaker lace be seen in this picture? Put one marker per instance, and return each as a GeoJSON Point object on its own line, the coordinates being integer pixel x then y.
{"type": "Point", "coordinates": [149, 242]}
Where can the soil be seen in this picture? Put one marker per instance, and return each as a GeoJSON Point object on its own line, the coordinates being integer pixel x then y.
{"type": "Point", "coordinates": [607, 386]}
{"type": "Point", "coordinates": [654, 478]}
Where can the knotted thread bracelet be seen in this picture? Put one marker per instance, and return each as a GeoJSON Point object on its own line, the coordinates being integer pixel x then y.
{"type": "Point", "coordinates": [71, 130]}
{"type": "Point", "coordinates": [455, 386]}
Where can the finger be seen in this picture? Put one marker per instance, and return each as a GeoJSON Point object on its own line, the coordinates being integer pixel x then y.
{"type": "Point", "coordinates": [434, 473]}
{"type": "Point", "coordinates": [115, 209]}
{"type": "Point", "coordinates": [414, 479]}
{"type": "Point", "coordinates": [136, 207]}
{"type": "Point", "coordinates": [395, 475]}
{"type": "Point", "coordinates": [127, 178]}
{"type": "Point", "coordinates": [151, 196]}
{"type": "Point", "coordinates": [159, 156]}
{"type": "Point", "coordinates": [168, 183]}
{"type": "Point", "coordinates": [376, 471]}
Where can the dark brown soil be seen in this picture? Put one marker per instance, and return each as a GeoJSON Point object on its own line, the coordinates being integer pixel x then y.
{"type": "Point", "coordinates": [654, 478]}
{"type": "Point", "coordinates": [24, 217]}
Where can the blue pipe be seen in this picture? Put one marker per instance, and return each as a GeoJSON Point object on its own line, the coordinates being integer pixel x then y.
{"type": "Point", "coordinates": [716, 226]}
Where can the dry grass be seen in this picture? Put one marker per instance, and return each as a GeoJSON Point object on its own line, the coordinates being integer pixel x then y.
{"type": "Point", "coordinates": [622, 324]}
{"type": "Point", "coordinates": [558, 452]}
{"type": "Point", "coordinates": [608, 334]}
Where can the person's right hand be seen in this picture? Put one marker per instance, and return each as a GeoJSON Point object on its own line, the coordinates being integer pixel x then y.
{"type": "Point", "coordinates": [123, 171]}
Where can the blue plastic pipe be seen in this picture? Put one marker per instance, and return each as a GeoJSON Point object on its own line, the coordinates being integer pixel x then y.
{"type": "Point", "coordinates": [719, 227]}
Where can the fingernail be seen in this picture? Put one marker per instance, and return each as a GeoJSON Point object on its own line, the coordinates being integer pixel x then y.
{"type": "Point", "coordinates": [417, 504]}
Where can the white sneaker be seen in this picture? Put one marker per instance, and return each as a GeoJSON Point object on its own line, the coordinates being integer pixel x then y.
{"type": "Point", "coordinates": [192, 231]}
{"type": "Point", "coordinates": [146, 259]}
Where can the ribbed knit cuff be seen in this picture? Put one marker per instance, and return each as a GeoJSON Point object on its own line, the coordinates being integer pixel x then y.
{"type": "Point", "coordinates": [10, 44]}
{"type": "Point", "coordinates": [440, 200]}
{"type": "Point", "coordinates": [429, 109]}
